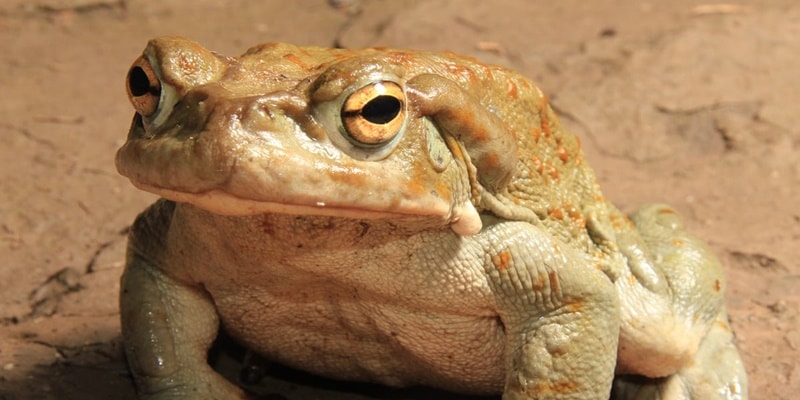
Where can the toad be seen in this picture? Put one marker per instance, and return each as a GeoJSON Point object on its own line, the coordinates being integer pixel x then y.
{"type": "Point", "coordinates": [399, 217]}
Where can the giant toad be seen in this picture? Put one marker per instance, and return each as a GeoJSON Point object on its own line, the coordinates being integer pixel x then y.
{"type": "Point", "coordinates": [404, 218]}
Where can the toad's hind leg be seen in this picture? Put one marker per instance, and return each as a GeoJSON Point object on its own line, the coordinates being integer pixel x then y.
{"type": "Point", "coordinates": [675, 340]}
{"type": "Point", "coordinates": [715, 373]}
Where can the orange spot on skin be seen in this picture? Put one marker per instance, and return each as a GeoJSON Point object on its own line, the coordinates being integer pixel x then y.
{"type": "Point", "coordinates": [717, 285]}
{"type": "Point", "coordinates": [562, 154]}
{"type": "Point", "coordinates": [458, 69]}
{"type": "Point", "coordinates": [620, 221]}
{"type": "Point", "coordinates": [555, 286]}
{"type": "Point", "coordinates": [574, 307]}
{"type": "Point", "coordinates": [294, 59]}
{"type": "Point", "coordinates": [545, 120]}
{"type": "Point", "coordinates": [576, 154]}
{"type": "Point", "coordinates": [401, 58]}
{"type": "Point", "coordinates": [538, 284]}
{"type": "Point", "coordinates": [501, 260]}
{"type": "Point", "coordinates": [666, 211]}
{"type": "Point", "coordinates": [537, 164]}
{"type": "Point", "coordinates": [631, 280]}
{"type": "Point", "coordinates": [556, 213]}
{"type": "Point", "coordinates": [546, 129]}
{"type": "Point", "coordinates": [552, 171]}
{"type": "Point", "coordinates": [575, 215]}
{"type": "Point", "coordinates": [677, 242]}
{"type": "Point", "coordinates": [486, 70]}
{"type": "Point", "coordinates": [348, 176]}
{"type": "Point", "coordinates": [543, 389]}
{"type": "Point", "coordinates": [599, 254]}
{"type": "Point", "coordinates": [188, 64]}
{"type": "Point", "coordinates": [511, 88]}
{"type": "Point", "coordinates": [536, 134]}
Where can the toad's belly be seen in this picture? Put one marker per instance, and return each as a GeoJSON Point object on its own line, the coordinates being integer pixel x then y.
{"type": "Point", "coordinates": [371, 341]}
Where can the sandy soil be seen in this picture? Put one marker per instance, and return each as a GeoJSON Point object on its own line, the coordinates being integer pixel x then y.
{"type": "Point", "coordinates": [691, 103]}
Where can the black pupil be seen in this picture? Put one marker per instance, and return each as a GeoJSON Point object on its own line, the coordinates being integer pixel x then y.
{"type": "Point", "coordinates": [138, 82]}
{"type": "Point", "coordinates": [382, 109]}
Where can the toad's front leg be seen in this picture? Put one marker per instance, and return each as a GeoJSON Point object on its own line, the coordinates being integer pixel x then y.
{"type": "Point", "coordinates": [168, 327]}
{"type": "Point", "coordinates": [561, 318]}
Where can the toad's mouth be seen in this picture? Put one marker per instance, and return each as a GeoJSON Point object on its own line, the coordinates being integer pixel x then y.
{"type": "Point", "coordinates": [223, 203]}
{"type": "Point", "coordinates": [463, 219]}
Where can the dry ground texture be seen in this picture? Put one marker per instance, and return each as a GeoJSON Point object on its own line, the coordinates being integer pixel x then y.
{"type": "Point", "coordinates": [689, 102]}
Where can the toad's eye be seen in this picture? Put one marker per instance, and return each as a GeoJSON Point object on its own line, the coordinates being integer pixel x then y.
{"type": "Point", "coordinates": [374, 114]}
{"type": "Point", "coordinates": [144, 87]}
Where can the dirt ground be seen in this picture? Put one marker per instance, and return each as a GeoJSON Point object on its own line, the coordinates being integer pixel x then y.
{"type": "Point", "coordinates": [692, 103]}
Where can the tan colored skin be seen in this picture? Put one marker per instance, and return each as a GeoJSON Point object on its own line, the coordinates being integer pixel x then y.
{"type": "Point", "coordinates": [466, 245]}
